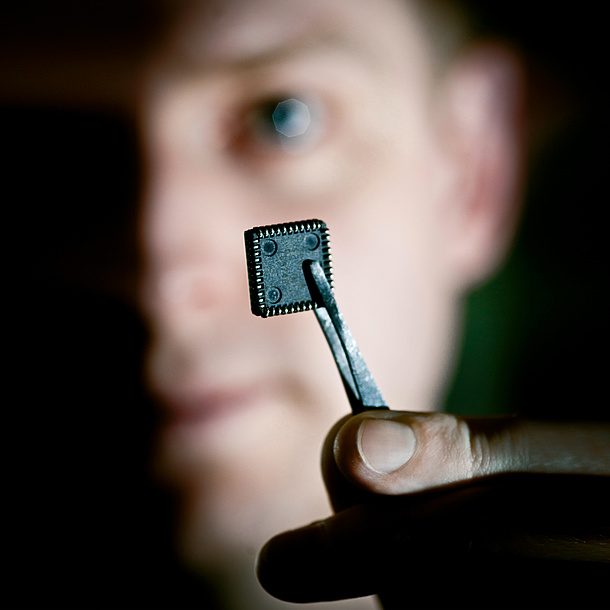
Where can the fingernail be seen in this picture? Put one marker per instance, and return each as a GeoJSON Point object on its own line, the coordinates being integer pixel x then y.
{"type": "Point", "coordinates": [385, 445]}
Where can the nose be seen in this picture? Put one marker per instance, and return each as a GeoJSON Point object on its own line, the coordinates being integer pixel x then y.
{"type": "Point", "coordinates": [192, 223]}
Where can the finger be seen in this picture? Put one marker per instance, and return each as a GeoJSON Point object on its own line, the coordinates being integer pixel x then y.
{"type": "Point", "coordinates": [342, 493]}
{"type": "Point", "coordinates": [392, 452]}
{"type": "Point", "coordinates": [351, 554]}
{"type": "Point", "coordinates": [420, 545]}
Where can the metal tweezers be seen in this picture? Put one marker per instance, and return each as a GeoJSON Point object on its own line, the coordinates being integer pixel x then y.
{"type": "Point", "coordinates": [360, 386]}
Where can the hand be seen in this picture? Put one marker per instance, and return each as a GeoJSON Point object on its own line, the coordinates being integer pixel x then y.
{"type": "Point", "coordinates": [434, 510]}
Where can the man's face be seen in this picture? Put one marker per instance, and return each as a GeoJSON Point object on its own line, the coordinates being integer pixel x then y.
{"type": "Point", "coordinates": [249, 401]}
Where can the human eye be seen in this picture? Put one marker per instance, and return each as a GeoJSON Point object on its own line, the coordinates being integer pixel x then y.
{"type": "Point", "coordinates": [282, 123]}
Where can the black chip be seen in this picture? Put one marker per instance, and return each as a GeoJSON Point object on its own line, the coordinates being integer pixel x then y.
{"type": "Point", "coordinates": [275, 256]}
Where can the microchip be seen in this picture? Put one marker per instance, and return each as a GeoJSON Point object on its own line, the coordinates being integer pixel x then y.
{"type": "Point", "coordinates": [275, 256]}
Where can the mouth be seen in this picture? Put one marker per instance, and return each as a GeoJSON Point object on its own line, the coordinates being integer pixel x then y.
{"type": "Point", "coordinates": [206, 406]}
{"type": "Point", "coordinates": [211, 426]}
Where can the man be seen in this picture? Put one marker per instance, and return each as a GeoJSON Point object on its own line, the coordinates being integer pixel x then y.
{"type": "Point", "coordinates": [411, 153]}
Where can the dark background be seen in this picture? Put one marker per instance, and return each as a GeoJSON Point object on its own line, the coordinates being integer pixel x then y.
{"type": "Point", "coordinates": [83, 526]}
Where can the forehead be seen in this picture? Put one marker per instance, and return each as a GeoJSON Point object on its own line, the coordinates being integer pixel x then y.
{"type": "Point", "coordinates": [226, 34]}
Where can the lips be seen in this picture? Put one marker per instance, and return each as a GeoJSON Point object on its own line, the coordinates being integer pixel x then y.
{"type": "Point", "coordinates": [202, 432]}
{"type": "Point", "coordinates": [200, 407]}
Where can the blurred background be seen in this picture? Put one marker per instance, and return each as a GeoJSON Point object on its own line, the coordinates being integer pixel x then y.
{"type": "Point", "coordinates": [83, 524]}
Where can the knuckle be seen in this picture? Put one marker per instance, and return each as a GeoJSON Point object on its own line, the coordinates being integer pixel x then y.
{"type": "Point", "coordinates": [461, 453]}
{"type": "Point", "coordinates": [480, 454]}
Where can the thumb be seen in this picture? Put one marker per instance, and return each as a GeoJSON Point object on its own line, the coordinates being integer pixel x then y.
{"type": "Point", "coordinates": [392, 452]}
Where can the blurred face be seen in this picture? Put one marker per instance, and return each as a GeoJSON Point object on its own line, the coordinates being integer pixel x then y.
{"type": "Point", "coordinates": [270, 111]}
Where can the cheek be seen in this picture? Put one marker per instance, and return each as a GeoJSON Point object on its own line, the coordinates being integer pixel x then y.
{"type": "Point", "coordinates": [387, 262]}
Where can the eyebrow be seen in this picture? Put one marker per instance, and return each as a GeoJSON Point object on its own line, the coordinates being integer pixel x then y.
{"type": "Point", "coordinates": [300, 46]}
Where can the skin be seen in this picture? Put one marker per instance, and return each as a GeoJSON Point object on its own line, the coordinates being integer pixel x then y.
{"type": "Point", "coordinates": [239, 387]}
{"type": "Point", "coordinates": [465, 503]}
{"type": "Point", "coordinates": [417, 180]}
